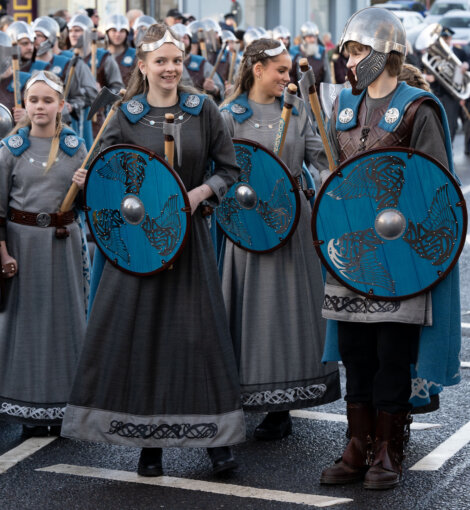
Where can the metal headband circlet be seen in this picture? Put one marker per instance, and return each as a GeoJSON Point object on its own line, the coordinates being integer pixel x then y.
{"type": "Point", "coordinates": [41, 76]}
{"type": "Point", "coordinates": [274, 52]}
{"type": "Point", "coordinates": [167, 38]}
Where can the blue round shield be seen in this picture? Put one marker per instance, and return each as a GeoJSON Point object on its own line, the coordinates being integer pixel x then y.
{"type": "Point", "coordinates": [137, 209]}
{"type": "Point", "coordinates": [390, 223]}
{"type": "Point", "coordinates": [261, 210]}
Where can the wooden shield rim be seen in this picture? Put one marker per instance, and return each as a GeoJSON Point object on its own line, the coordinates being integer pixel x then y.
{"type": "Point", "coordinates": [152, 155]}
{"type": "Point", "coordinates": [410, 152]}
{"type": "Point", "coordinates": [295, 187]}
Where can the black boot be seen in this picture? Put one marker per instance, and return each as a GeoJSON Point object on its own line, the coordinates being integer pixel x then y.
{"type": "Point", "coordinates": [150, 462]}
{"type": "Point", "coordinates": [222, 459]}
{"type": "Point", "coordinates": [35, 431]}
{"type": "Point", "coordinates": [274, 426]}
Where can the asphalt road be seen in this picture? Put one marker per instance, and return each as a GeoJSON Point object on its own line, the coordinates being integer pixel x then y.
{"type": "Point", "coordinates": [67, 475]}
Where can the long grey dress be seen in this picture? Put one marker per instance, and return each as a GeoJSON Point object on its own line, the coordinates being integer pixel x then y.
{"type": "Point", "coordinates": [274, 300]}
{"type": "Point", "coordinates": [42, 327]}
{"type": "Point", "coordinates": [158, 367]}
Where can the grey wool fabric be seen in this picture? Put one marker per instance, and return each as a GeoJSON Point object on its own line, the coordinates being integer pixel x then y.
{"type": "Point", "coordinates": [274, 300]}
{"type": "Point", "coordinates": [157, 367]}
{"type": "Point", "coordinates": [42, 327]}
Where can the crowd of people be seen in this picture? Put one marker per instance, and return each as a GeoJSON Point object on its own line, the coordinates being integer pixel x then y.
{"type": "Point", "coordinates": [177, 357]}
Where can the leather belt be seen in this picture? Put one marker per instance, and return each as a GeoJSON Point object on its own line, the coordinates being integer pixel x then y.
{"type": "Point", "coordinates": [41, 219]}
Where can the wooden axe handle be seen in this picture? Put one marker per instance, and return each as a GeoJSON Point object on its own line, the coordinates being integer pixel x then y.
{"type": "Point", "coordinates": [169, 141]}
{"type": "Point", "coordinates": [232, 66]}
{"type": "Point", "coordinates": [68, 83]}
{"type": "Point", "coordinates": [284, 123]}
{"type": "Point", "coordinates": [217, 62]}
{"type": "Point", "coordinates": [74, 189]}
{"type": "Point", "coordinates": [316, 109]}
{"type": "Point", "coordinates": [15, 65]}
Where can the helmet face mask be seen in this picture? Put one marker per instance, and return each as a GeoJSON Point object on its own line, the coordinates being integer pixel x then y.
{"type": "Point", "coordinates": [381, 31]}
{"type": "Point", "coordinates": [50, 29]}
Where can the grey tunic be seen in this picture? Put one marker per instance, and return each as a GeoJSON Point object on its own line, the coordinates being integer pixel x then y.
{"type": "Point", "coordinates": [42, 327]}
{"type": "Point", "coordinates": [274, 300]}
{"type": "Point", "coordinates": [157, 367]}
{"type": "Point", "coordinates": [342, 303]}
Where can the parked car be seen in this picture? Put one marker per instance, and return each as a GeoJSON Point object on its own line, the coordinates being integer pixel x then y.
{"type": "Point", "coordinates": [409, 19]}
{"type": "Point", "coordinates": [442, 7]}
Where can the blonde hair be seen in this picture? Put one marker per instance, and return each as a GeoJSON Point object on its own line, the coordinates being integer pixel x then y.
{"type": "Point", "coordinates": [27, 121]}
{"type": "Point", "coordinates": [253, 54]}
{"type": "Point", "coordinates": [137, 82]}
{"type": "Point", "coordinates": [414, 77]}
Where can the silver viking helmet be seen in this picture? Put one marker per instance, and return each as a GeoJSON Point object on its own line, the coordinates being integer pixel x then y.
{"type": "Point", "coordinates": [86, 24]}
{"type": "Point", "coordinates": [309, 28]}
{"type": "Point", "coordinates": [252, 34]}
{"type": "Point", "coordinates": [383, 32]}
{"type": "Point", "coordinates": [50, 29]}
{"type": "Point", "coordinates": [5, 52]}
{"type": "Point", "coordinates": [118, 22]}
{"type": "Point", "coordinates": [20, 30]}
{"type": "Point", "coordinates": [140, 26]}
{"type": "Point", "coordinates": [281, 32]}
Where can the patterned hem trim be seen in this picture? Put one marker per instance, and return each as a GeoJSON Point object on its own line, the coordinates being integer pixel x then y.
{"type": "Point", "coordinates": [34, 413]}
{"type": "Point", "coordinates": [289, 395]}
{"type": "Point", "coordinates": [359, 305]}
{"type": "Point", "coordinates": [164, 430]}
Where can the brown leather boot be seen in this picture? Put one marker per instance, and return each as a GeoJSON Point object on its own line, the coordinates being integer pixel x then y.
{"type": "Point", "coordinates": [386, 469]}
{"type": "Point", "coordinates": [353, 465]}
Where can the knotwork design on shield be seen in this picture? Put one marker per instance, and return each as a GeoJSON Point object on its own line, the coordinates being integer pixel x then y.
{"type": "Point", "coordinates": [137, 209]}
{"type": "Point", "coordinates": [390, 224]}
{"type": "Point", "coordinates": [260, 211]}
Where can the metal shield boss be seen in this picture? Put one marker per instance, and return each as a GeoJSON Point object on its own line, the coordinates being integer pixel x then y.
{"type": "Point", "coordinates": [137, 209]}
{"type": "Point", "coordinates": [390, 223]}
{"type": "Point", "coordinates": [261, 210]}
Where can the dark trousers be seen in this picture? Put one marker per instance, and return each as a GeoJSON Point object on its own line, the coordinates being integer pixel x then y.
{"type": "Point", "coordinates": [377, 358]}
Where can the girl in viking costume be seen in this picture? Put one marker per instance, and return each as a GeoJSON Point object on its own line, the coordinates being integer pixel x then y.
{"type": "Point", "coordinates": [379, 340]}
{"type": "Point", "coordinates": [273, 300]}
{"type": "Point", "coordinates": [42, 326]}
{"type": "Point", "coordinates": [157, 368]}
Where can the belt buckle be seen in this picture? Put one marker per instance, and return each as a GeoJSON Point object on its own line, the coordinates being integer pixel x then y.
{"type": "Point", "coordinates": [43, 219]}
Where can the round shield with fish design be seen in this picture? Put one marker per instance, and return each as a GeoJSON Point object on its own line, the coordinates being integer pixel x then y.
{"type": "Point", "coordinates": [261, 210]}
{"type": "Point", "coordinates": [137, 209]}
{"type": "Point", "coordinates": [390, 223]}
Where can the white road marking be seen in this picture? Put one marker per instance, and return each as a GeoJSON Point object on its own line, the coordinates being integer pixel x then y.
{"type": "Point", "coordinates": [465, 364]}
{"type": "Point", "coordinates": [198, 485]}
{"type": "Point", "coordinates": [25, 449]}
{"type": "Point", "coordinates": [314, 415]}
{"type": "Point", "coordinates": [447, 449]}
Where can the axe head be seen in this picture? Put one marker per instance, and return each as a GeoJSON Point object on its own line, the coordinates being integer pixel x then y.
{"type": "Point", "coordinates": [103, 99]}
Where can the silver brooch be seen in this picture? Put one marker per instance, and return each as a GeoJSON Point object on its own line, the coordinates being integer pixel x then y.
{"type": "Point", "coordinates": [392, 115]}
{"type": "Point", "coordinates": [56, 69]}
{"type": "Point", "coordinates": [71, 141]}
{"type": "Point", "coordinates": [238, 108]}
{"type": "Point", "coordinates": [127, 60]}
{"type": "Point", "coordinates": [192, 101]}
{"type": "Point", "coordinates": [346, 115]}
{"type": "Point", "coordinates": [135, 107]}
{"type": "Point", "coordinates": [15, 141]}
